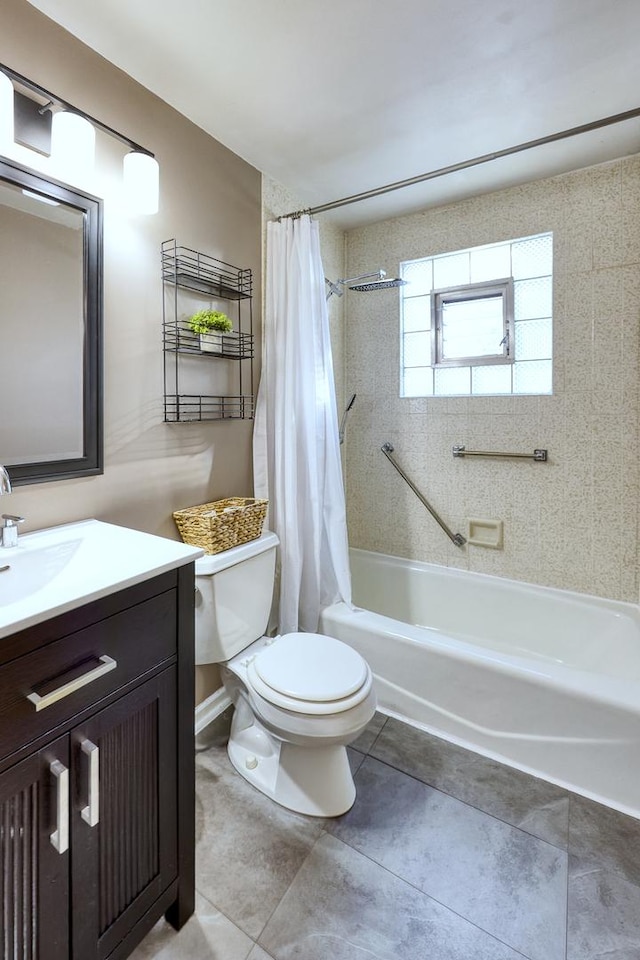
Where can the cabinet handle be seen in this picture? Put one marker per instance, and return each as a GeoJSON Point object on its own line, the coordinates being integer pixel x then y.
{"type": "Point", "coordinates": [91, 813]}
{"type": "Point", "coordinates": [41, 702]}
{"type": "Point", "coordinates": [60, 836]}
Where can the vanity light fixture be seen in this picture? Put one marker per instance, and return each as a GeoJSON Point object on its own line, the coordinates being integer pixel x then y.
{"type": "Point", "coordinates": [141, 182]}
{"type": "Point", "coordinates": [73, 141]}
{"type": "Point", "coordinates": [73, 145]}
{"type": "Point", "coordinates": [32, 124]}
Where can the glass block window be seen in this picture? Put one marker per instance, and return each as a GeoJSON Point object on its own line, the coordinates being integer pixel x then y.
{"type": "Point", "coordinates": [478, 322]}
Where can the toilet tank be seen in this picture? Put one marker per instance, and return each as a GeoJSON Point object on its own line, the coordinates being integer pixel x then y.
{"type": "Point", "coordinates": [234, 591]}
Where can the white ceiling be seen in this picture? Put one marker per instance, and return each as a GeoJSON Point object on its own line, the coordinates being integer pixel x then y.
{"type": "Point", "coordinates": [336, 97]}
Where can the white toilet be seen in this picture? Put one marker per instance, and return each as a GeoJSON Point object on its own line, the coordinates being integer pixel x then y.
{"type": "Point", "coordinates": [299, 698]}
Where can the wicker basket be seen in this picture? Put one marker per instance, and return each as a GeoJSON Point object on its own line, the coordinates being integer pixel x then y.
{"type": "Point", "coordinates": [221, 524]}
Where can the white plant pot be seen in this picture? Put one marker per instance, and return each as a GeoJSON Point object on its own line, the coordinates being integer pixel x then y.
{"type": "Point", "coordinates": [211, 342]}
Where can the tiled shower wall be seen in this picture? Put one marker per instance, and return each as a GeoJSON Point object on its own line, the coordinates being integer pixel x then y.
{"type": "Point", "coordinates": [571, 522]}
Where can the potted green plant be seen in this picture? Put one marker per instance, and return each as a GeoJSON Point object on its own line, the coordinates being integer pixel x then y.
{"type": "Point", "coordinates": [204, 323]}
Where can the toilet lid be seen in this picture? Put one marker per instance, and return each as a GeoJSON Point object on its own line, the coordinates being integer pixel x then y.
{"type": "Point", "coordinates": [311, 667]}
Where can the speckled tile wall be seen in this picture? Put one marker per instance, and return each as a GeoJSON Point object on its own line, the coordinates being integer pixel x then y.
{"type": "Point", "coordinates": [572, 522]}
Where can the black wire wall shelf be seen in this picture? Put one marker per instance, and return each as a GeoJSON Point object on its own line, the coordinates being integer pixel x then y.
{"type": "Point", "coordinates": [201, 273]}
{"type": "Point", "coordinates": [232, 346]}
{"type": "Point", "coordinates": [193, 281]}
{"type": "Point", "coordinates": [190, 408]}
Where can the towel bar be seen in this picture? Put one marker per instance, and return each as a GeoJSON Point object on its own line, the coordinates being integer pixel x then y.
{"type": "Point", "coordinates": [540, 456]}
{"type": "Point", "coordinates": [456, 538]}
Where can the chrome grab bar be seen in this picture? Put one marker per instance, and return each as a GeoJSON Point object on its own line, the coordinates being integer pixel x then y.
{"type": "Point", "coordinates": [456, 538]}
{"type": "Point", "coordinates": [540, 456]}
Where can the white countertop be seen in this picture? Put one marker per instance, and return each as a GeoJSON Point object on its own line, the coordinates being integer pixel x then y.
{"type": "Point", "coordinates": [55, 570]}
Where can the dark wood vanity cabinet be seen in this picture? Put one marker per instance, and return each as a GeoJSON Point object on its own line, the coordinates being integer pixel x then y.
{"type": "Point", "coordinates": [96, 786]}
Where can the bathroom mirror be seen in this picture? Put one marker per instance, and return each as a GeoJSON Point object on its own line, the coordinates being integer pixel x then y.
{"type": "Point", "coordinates": [50, 328]}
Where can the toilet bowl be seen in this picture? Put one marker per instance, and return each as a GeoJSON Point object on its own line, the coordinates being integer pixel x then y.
{"type": "Point", "coordinates": [299, 698]}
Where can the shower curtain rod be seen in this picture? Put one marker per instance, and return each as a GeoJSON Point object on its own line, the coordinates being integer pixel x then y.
{"type": "Point", "coordinates": [466, 164]}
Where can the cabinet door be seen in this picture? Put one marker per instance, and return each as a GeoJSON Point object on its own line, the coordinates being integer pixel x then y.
{"type": "Point", "coordinates": [124, 809]}
{"type": "Point", "coordinates": [34, 856]}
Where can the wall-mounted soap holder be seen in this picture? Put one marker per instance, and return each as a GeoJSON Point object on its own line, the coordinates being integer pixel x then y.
{"type": "Point", "coordinates": [486, 533]}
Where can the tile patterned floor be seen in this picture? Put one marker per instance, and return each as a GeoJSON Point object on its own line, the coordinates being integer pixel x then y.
{"type": "Point", "coordinates": [444, 856]}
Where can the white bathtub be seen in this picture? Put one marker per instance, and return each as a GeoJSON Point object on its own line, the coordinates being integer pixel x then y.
{"type": "Point", "coordinates": [546, 680]}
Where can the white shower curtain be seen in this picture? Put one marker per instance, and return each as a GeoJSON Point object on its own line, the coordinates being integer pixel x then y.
{"type": "Point", "coordinates": [296, 451]}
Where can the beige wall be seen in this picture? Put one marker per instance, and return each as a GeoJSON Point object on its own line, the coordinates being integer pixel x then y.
{"type": "Point", "coordinates": [210, 200]}
{"type": "Point", "coordinates": [570, 523]}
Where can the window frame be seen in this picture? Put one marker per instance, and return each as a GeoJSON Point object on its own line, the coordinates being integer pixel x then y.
{"type": "Point", "coordinates": [474, 291]}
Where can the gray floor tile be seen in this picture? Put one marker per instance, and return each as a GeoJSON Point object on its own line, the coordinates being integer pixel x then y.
{"type": "Point", "coordinates": [540, 808]}
{"type": "Point", "coordinates": [507, 882]}
{"type": "Point", "coordinates": [367, 738]}
{"type": "Point", "coordinates": [208, 935]}
{"type": "Point", "coordinates": [355, 759]}
{"type": "Point", "coordinates": [248, 848]}
{"type": "Point", "coordinates": [332, 902]}
{"type": "Point", "coordinates": [343, 907]}
{"type": "Point", "coordinates": [603, 838]}
{"type": "Point", "coordinates": [604, 916]}
{"type": "Point", "coordinates": [259, 954]}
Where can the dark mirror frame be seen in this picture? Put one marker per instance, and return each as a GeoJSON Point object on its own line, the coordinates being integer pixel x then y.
{"type": "Point", "coordinates": [91, 462]}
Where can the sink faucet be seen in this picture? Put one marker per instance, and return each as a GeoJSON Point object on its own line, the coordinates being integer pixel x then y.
{"type": "Point", "coordinates": [9, 529]}
{"type": "Point", "coordinates": [5, 482]}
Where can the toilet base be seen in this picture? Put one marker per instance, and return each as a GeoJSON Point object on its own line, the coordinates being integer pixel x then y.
{"type": "Point", "coordinates": [314, 780]}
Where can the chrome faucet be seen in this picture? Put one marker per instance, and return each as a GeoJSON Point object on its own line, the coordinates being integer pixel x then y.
{"type": "Point", "coordinates": [9, 532]}
{"type": "Point", "coordinates": [5, 482]}
{"type": "Point", "coordinates": [9, 529]}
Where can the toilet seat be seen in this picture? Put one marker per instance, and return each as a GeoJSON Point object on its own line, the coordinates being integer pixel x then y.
{"type": "Point", "coordinates": [311, 674]}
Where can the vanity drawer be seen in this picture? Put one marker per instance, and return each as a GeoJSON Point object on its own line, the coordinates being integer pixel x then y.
{"type": "Point", "coordinates": [52, 685]}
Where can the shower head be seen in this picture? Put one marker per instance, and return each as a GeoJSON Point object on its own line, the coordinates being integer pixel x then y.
{"type": "Point", "coordinates": [382, 284]}
{"type": "Point", "coordinates": [352, 283]}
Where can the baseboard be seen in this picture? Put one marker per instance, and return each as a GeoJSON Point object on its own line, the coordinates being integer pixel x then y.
{"type": "Point", "coordinates": [209, 709]}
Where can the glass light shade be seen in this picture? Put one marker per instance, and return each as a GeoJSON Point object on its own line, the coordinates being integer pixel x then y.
{"type": "Point", "coordinates": [141, 182]}
{"type": "Point", "coordinates": [6, 112]}
{"type": "Point", "coordinates": [73, 145]}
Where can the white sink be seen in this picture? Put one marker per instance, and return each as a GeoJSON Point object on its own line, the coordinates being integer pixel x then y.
{"type": "Point", "coordinates": [23, 572]}
{"type": "Point", "coordinates": [55, 570]}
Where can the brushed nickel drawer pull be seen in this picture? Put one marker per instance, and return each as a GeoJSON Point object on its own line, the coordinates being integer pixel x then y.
{"type": "Point", "coordinates": [41, 702]}
{"type": "Point", "coordinates": [60, 836]}
{"type": "Point", "coordinates": [91, 813]}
